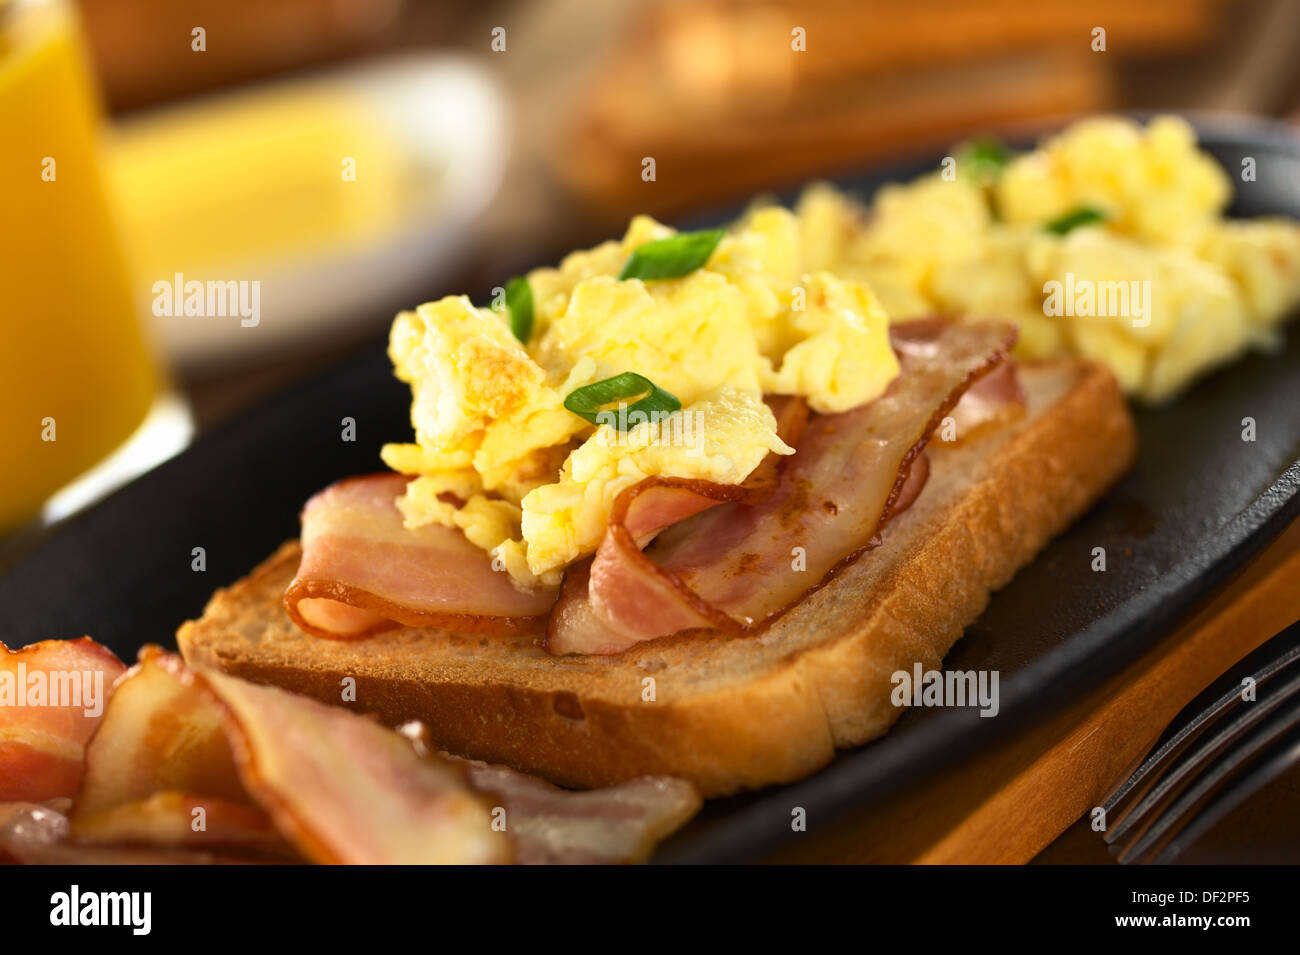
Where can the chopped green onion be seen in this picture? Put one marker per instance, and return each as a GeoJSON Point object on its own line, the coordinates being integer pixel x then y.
{"type": "Point", "coordinates": [519, 302]}
{"type": "Point", "coordinates": [591, 400]}
{"type": "Point", "coordinates": [984, 159]}
{"type": "Point", "coordinates": [672, 257]}
{"type": "Point", "coordinates": [1083, 215]}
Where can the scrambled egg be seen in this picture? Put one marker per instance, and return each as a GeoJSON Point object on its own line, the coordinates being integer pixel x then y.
{"type": "Point", "coordinates": [1150, 279]}
{"type": "Point", "coordinates": [1152, 182]}
{"type": "Point", "coordinates": [497, 454]}
{"type": "Point", "coordinates": [1160, 289]}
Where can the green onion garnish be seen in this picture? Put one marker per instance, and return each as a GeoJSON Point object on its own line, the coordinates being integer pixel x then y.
{"type": "Point", "coordinates": [519, 302]}
{"type": "Point", "coordinates": [591, 400]}
{"type": "Point", "coordinates": [1083, 215]}
{"type": "Point", "coordinates": [672, 257]}
{"type": "Point", "coordinates": [984, 159]}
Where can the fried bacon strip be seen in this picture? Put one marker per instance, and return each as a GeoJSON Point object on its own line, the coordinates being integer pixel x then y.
{"type": "Point", "coordinates": [615, 825]}
{"type": "Point", "coordinates": [364, 571]}
{"type": "Point", "coordinates": [194, 766]}
{"type": "Point", "coordinates": [160, 772]}
{"type": "Point", "coordinates": [738, 566]}
{"type": "Point", "coordinates": [52, 696]}
{"type": "Point", "coordinates": [345, 789]}
{"type": "Point", "coordinates": [338, 787]}
{"type": "Point", "coordinates": [993, 400]}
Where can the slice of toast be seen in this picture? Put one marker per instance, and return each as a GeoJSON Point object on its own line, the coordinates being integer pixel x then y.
{"type": "Point", "coordinates": [726, 713]}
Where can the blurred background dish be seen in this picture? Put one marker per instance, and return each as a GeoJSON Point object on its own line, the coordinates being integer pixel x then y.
{"type": "Point", "coordinates": [569, 98]}
{"type": "Point", "coordinates": [746, 93]}
{"type": "Point", "coordinates": [344, 195]}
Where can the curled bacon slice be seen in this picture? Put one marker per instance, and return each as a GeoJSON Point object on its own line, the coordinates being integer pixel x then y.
{"type": "Point", "coordinates": [994, 400]}
{"type": "Point", "coordinates": [615, 825]}
{"type": "Point", "coordinates": [345, 789]}
{"type": "Point", "coordinates": [364, 571]}
{"type": "Point", "coordinates": [582, 613]}
{"type": "Point", "coordinates": [913, 484]}
{"type": "Point", "coordinates": [737, 566]}
{"type": "Point", "coordinates": [52, 696]}
{"type": "Point", "coordinates": [279, 777]}
{"type": "Point", "coordinates": [161, 753]}
{"type": "Point", "coordinates": [274, 772]}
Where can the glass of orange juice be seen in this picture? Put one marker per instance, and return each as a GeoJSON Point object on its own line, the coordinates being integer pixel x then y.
{"type": "Point", "coordinates": [83, 401]}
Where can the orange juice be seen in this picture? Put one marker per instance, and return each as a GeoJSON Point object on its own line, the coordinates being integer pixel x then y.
{"type": "Point", "coordinates": [76, 373]}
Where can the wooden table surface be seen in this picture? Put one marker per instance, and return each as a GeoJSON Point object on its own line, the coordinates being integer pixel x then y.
{"type": "Point", "coordinates": [1014, 802]}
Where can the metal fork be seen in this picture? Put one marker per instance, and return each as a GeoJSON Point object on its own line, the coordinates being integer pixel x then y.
{"type": "Point", "coordinates": [1219, 749]}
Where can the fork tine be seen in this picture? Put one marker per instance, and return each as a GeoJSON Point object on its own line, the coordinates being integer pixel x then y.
{"type": "Point", "coordinates": [1212, 783]}
{"type": "Point", "coordinates": [1217, 737]}
{"type": "Point", "coordinates": [1250, 780]}
{"type": "Point", "coordinates": [1198, 718]}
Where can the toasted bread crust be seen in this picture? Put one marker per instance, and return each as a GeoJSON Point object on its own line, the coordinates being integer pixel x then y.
{"type": "Point", "coordinates": [726, 713]}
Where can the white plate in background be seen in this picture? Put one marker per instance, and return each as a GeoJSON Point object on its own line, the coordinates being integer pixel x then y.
{"type": "Point", "coordinates": [451, 117]}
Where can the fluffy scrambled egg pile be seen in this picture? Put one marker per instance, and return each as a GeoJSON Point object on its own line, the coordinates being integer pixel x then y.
{"type": "Point", "coordinates": [1107, 241]}
{"type": "Point", "coordinates": [497, 454]}
{"type": "Point", "coordinates": [1155, 283]}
